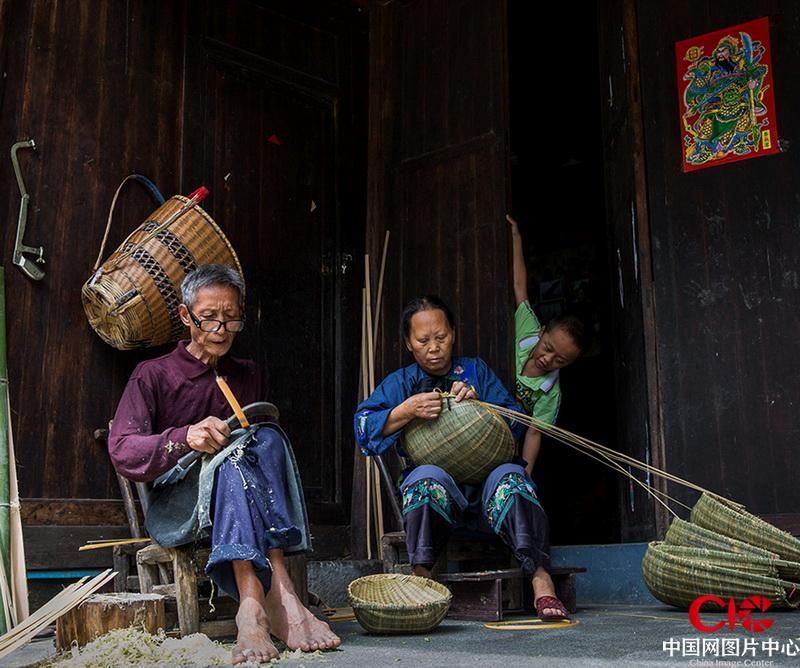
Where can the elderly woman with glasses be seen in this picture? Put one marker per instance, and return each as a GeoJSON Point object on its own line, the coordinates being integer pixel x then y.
{"type": "Point", "coordinates": [245, 496]}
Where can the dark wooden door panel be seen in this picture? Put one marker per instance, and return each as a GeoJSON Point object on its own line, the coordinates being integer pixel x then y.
{"type": "Point", "coordinates": [439, 166]}
{"type": "Point", "coordinates": [266, 130]}
{"type": "Point", "coordinates": [437, 175]}
{"type": "Point", "coordinates": [114, 87]}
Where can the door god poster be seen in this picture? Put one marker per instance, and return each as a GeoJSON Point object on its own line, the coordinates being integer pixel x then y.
{"type": "Point", "coordinates": [727, 100]}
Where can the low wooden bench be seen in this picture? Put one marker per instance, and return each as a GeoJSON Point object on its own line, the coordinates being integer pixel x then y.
{"type": "Point", "coordinates": [486, 594]}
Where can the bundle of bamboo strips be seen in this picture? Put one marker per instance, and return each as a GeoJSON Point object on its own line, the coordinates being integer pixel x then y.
{"type": "Point", "coordinates": [369, 334]}
{"type": "Point", "coordinates": [605, 455]}
{"type": "Point", "coordinates": [64, 601]}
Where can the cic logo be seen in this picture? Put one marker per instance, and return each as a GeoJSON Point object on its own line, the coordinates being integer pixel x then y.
{"type": "Point", "coordinates": [743, 613]}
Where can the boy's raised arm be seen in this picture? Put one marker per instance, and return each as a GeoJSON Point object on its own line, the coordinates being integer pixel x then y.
{"type": "Point", "coordinates": [520, 272]}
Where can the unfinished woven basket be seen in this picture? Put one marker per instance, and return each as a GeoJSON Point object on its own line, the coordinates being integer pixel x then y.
{"type": "Point", "coordinates": [731, 519]}
{"type": "Point", "coordinates": [467, 440]}
{"type": "Point", "coordinates": [678, 575]}
{"type": "Point", "coordinates": [396, 603]}
{"type": "Point", "coordinates": [132, 300]}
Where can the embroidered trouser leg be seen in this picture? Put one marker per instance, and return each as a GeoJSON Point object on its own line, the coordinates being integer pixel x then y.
{"type": "Point", "coordinates": [250, 513]}
{"type": "Point", "coordinates": [431, 499]}
{"type": "Point", "coordinates": [514, 513]}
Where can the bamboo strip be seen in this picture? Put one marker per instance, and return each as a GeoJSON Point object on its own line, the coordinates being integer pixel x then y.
{"type": "Point", "coordinates": [372, 468]}
{"type": "Point", "coordinates": [5, 418]}
{"type": "Point", "coordinates": [378, 304]}
{"type": "Point", "coordinates": [364, 394]}
{"type": "Point", "coordinates": [5, 593]}
{"type": "Point", "coordinates": [379, 300]}
{"type": "Point", "coordinates": [553, 430]}
{"type": "Point", "coordinates": [96, 545]}
{"type": "Point", "coordinates": [19, 579]}
{"type": "Point", "coordinates": [64, 601]}
{"type": "Point", "coordinates": [378, 504]}
{"type": "Point", "coordinates": [370, 350]}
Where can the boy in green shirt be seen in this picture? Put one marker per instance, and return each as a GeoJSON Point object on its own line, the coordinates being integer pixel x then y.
{"type": "Point", "coordinates": [539, 353]}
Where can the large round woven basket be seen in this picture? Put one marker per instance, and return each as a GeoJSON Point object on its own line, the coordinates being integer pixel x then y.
{"type": "Point", "coordinates": [678, 575]}
{"type": "Point", "coordinates": [396, 603]}
{"type": "Point", "coordinates": [132, 300]}
{"type": "Point", "coordinates": [730, 519]}
{"type": "Point", "coordinates": [467, 440]}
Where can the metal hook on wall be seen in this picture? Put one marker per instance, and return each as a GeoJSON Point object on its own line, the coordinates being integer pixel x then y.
{"type": "Point", "coordinates": [29, 268]}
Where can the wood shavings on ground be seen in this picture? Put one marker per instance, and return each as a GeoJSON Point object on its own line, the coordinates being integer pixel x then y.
{"type": "Point", "coordinates": [133, 647]}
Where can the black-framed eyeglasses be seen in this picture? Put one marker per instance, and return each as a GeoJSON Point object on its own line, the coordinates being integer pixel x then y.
{"type": "Point", "coordinates": [214, 325]}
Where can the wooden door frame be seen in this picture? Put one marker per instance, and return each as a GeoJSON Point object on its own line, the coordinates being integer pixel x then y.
{"type": "Point", "coordinates": [629, 227]}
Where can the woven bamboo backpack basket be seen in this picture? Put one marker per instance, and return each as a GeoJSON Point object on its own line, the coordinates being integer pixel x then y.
{"type": "Point", "coordinates": [132, 299]}
{"type": "Point", "coordinates": [467, 440]}
{"type": "Point", "coordinates": [397, 603]}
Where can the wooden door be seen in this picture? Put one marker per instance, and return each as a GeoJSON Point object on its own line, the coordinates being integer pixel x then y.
{"type": "Point", "coordinates": [437, 175]}
{"type": "Point", "coordinates": [438, 166]}
{"type": "Point", "coordinates": [271, 120]}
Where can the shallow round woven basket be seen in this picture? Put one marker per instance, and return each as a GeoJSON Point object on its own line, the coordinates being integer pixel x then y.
{"type": "Point", "coordinates": [731, 519]}
{"type": "Point", "coordinates": [678, 575]}
{"type": "Point", "coordinates": [132, 300]}
{"type": "Point", "coordinates": [467, 440]}
{"type": "Point", "coordinates": [396, 603]}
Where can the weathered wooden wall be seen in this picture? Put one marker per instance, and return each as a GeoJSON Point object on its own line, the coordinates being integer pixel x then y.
{"type": "Point", "coordinates": [176, 91]}
{"type": "Point", "coordinates": [721, 309]}
{"type": "Point", "coordinates": [98, 86]}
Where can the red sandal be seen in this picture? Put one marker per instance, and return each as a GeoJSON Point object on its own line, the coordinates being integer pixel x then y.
{"type": "Point", "coordinates": [544, 602]}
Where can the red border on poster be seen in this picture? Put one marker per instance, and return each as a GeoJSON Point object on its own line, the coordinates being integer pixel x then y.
{"type": "Point", "coordinates": [726, 96]}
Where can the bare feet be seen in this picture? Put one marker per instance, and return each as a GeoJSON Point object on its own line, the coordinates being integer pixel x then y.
{"type": "Point", "coordinates": [253, 642]}
{"type": "Point", "coordinates": [543, 586]}
{"type": "Point", "coordinates": [421, 571]}
{"type": "Point", "coordinates": [293, 623]}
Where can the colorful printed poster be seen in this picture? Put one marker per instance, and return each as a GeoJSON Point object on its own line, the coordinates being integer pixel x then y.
{"type": "Point", "coordinates": [727, 100]}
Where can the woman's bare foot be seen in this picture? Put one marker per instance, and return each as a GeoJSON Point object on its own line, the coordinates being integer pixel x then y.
{"type": "Point", "coordinates": [421, 571]}
{"type": "Point", "coordinates": [252, 641]}
{"type": "Point", "coordinates": [543, 586]}
{"type": "Point", "coordinates": [293, 623]}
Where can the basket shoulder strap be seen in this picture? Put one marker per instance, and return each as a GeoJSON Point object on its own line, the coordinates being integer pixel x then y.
{"type": "Point", "coordinates": [148, 185]}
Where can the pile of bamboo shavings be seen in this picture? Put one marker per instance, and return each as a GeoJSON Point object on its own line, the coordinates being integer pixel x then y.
{"type": "Point", "coordinates": [135, 647]}
{"type": "Point", "coordinates": [62, 602]}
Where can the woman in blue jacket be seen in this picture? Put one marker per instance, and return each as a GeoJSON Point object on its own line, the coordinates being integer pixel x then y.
{"type": "Point", "coordinates": [433, 503]}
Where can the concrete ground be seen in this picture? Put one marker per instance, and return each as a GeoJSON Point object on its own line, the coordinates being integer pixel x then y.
{"type": "Point", "coordinates": [604, 636]}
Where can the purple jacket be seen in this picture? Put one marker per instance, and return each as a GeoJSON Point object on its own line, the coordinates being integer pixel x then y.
{"type": "Point", "coordinates": [166, 395]}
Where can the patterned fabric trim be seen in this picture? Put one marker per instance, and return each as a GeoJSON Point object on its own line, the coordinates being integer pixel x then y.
{"type": "Point", "coordinates": [428, 491]}
{"type": "Point", "coordinates": [510, 486]}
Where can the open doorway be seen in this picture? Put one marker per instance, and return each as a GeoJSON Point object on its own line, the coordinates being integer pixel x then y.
{"type": "Point", "coordinates": [558, 200]}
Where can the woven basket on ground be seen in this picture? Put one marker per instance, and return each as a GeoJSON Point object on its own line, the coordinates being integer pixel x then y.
{"type": "Point", "coordinates": [132, 300]}
{"type": "Point", "coordinates": [730, 519]}
{"type": "Point", "coordinates": [467, 440]}
{"type": "Point", "coordinates": [678, 575]}
{"type": "Point", "coordinates": [685, 533]}
{"type": "Point", "coordinates": [396, 603]}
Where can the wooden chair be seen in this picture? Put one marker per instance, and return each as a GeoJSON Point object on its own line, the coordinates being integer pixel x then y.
{"type": "Point", "coordinates": [178, 572]}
